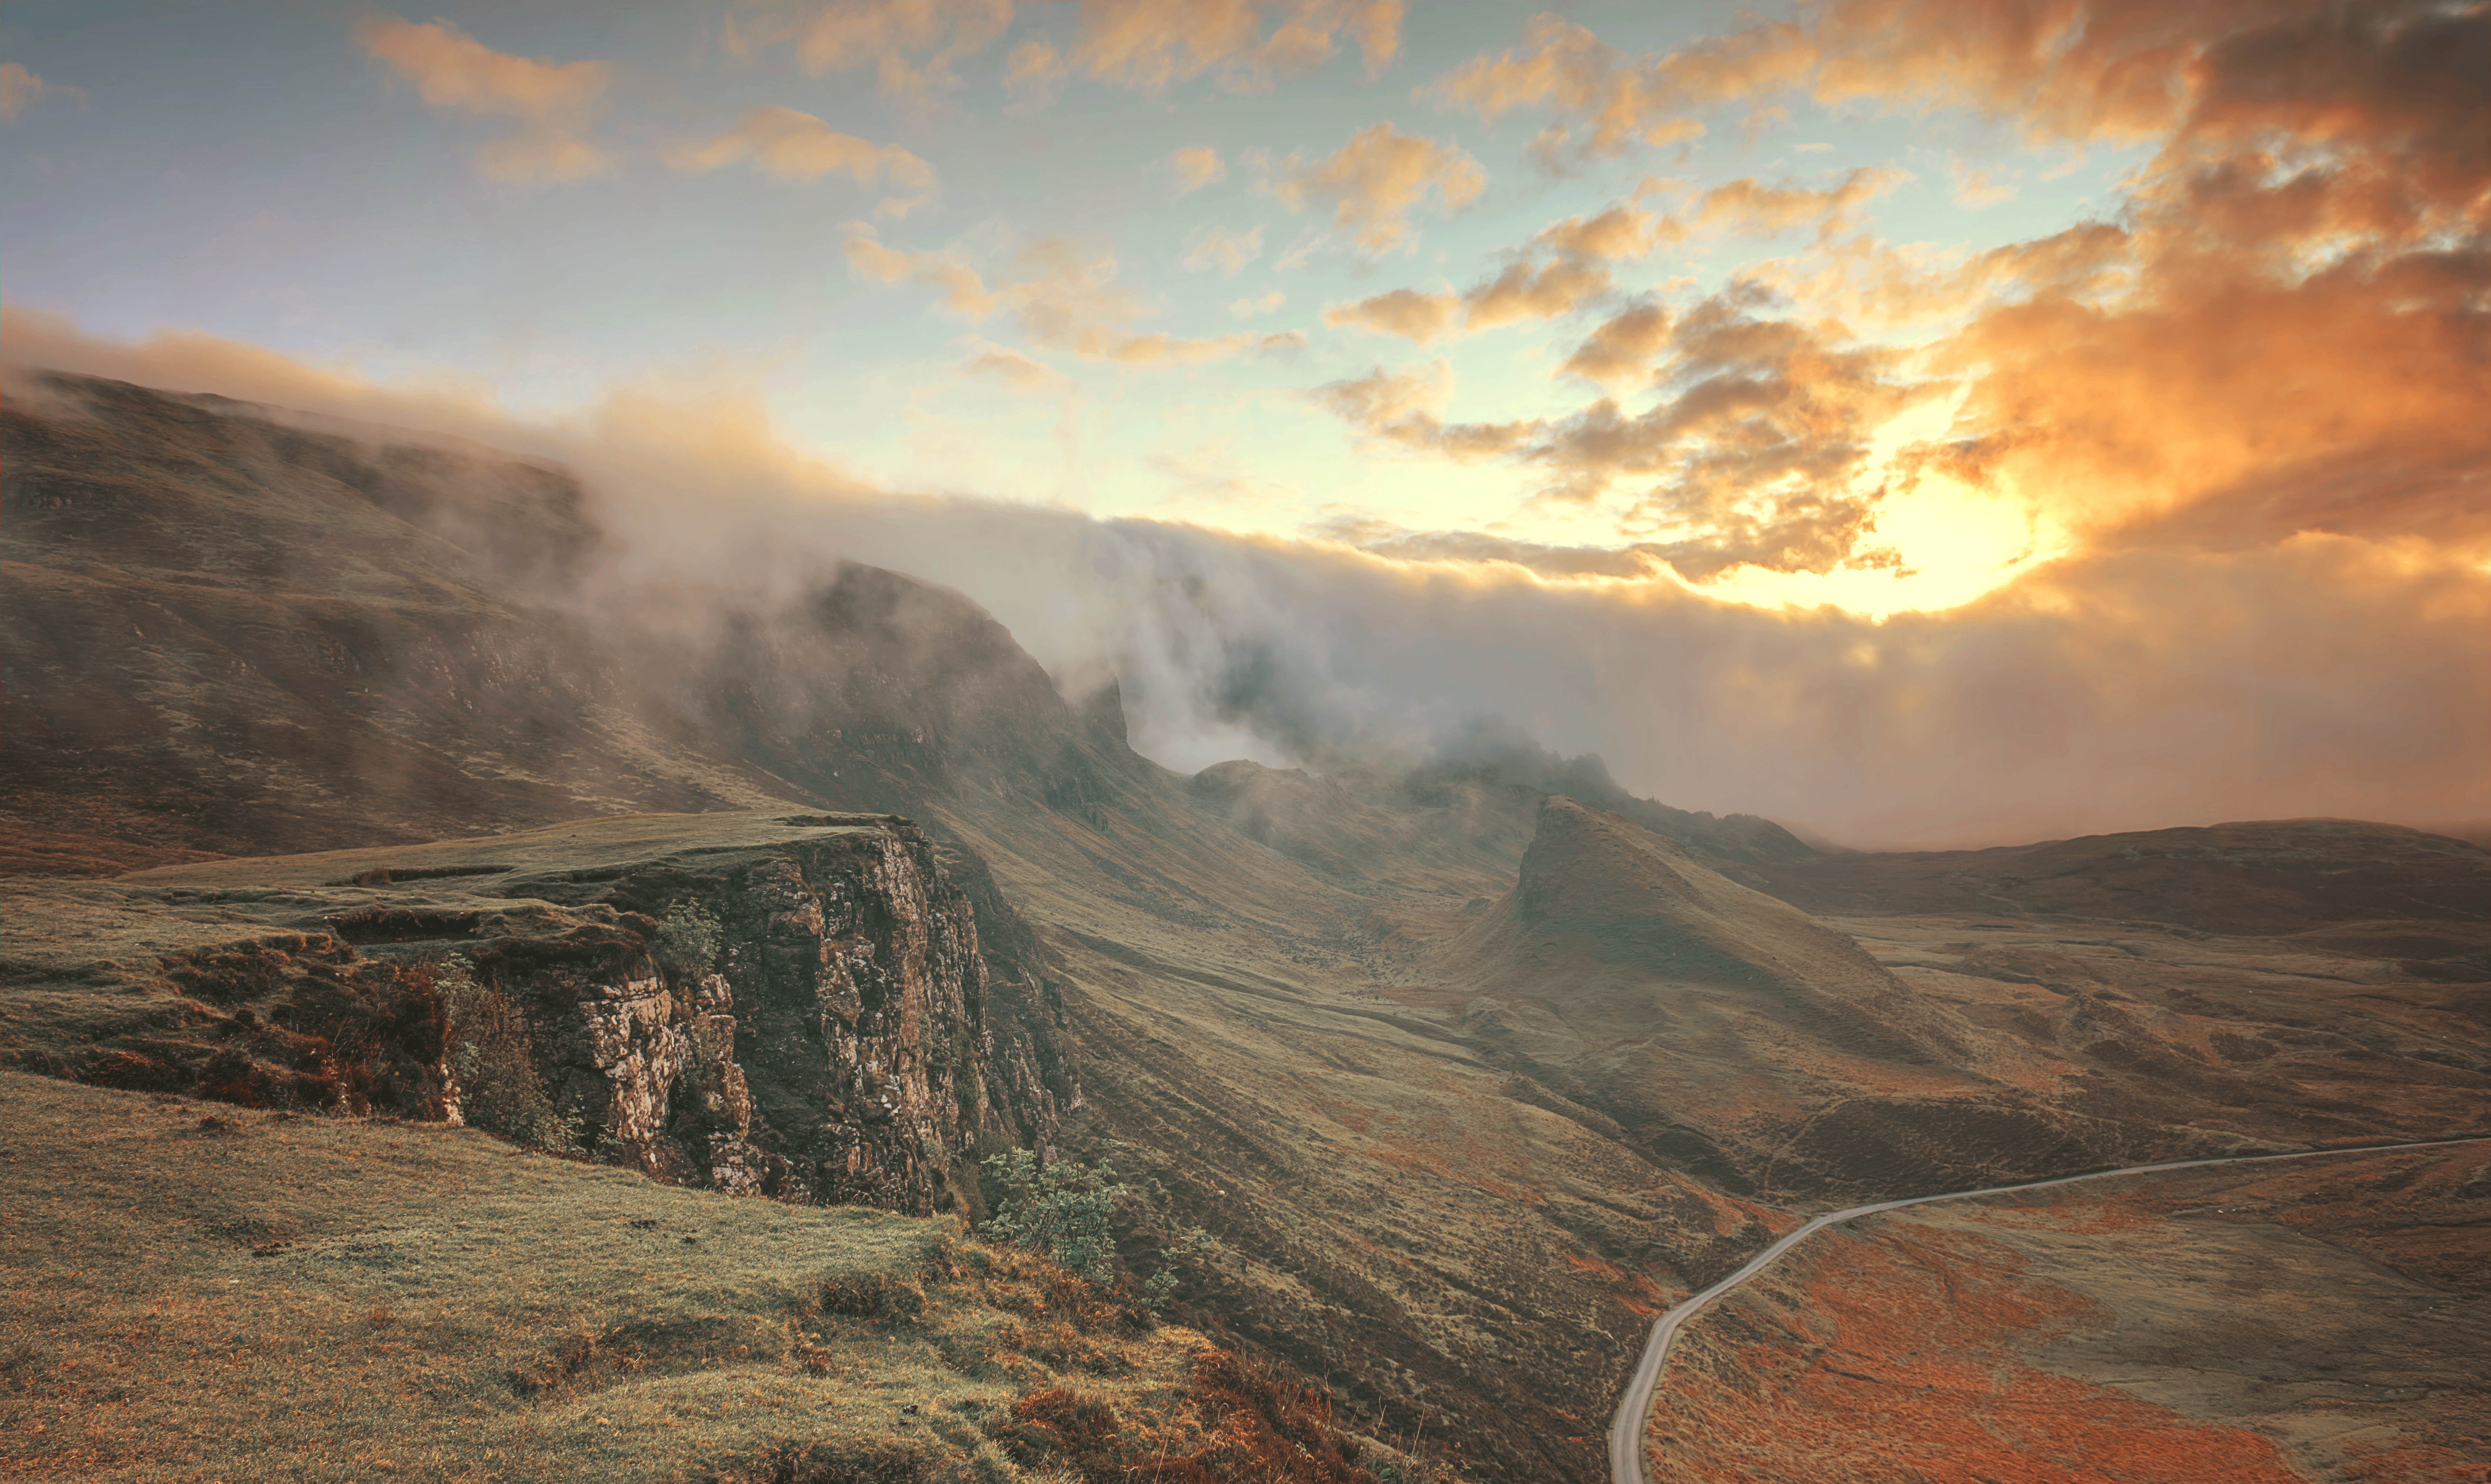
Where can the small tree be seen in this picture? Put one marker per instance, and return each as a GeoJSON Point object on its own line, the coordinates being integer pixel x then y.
{"type": "Point", "coordinates": [1059, 1208]}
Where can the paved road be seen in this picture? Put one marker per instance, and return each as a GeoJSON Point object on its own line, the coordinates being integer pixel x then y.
{"type": "Point", "coordinates": [1626, 1434]}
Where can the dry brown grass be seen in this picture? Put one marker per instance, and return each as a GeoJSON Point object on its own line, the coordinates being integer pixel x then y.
{"type": "Point", "coordinates": [194, 1294]}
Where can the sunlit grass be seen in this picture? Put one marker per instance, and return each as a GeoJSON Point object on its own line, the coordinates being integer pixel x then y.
{"type": "Point", "coordinates": [196, 1293]}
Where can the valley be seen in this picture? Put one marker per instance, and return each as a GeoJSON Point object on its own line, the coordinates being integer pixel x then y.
{"type": "Point", "coordinates": [1467, 1070]}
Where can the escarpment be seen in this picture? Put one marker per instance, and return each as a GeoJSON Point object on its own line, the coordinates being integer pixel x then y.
{"type": "Point", "coordinates": [836, 1045]}
{"type": "Point", "coordinates": [760, 1004]}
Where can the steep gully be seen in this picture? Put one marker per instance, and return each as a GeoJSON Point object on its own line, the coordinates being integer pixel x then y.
{"type": "Point", "coordinates": [1626, 1432]}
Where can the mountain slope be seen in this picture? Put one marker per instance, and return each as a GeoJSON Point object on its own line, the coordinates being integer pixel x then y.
{"type": "Point", "coordinates": [1469, 1070]}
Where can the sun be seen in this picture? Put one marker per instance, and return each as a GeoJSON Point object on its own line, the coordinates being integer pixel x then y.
{"type": "Point", "coordinates": [1938, 542]}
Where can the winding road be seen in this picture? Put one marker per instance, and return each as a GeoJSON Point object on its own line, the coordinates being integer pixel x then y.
{"type": "Point", "coordinates": [1626, 1434]}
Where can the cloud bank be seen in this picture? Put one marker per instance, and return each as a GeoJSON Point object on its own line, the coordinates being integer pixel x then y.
{"type": "Point", "coordinates": [2183, 672]}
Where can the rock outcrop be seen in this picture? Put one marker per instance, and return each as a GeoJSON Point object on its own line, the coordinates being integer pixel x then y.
{"type": "Point", "coordinates": [838, 1048]}
{"type": "Point", "coordinates": [830, 1033]}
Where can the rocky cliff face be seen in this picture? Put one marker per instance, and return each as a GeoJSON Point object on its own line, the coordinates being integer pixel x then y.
{"type": "Point", "coordinates": [836, 1040]}
{"type": "Point", "coordinates": [839, 1047]}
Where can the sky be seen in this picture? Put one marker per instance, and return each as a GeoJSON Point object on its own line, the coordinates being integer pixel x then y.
{"type": "Point", "coordinates": [1927, 421]}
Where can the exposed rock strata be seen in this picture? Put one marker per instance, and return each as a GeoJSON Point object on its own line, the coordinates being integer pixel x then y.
{"type": "Point", "coordinates": [842, 1045]}
{"type": "Point", "coordinates": [840, 1052]}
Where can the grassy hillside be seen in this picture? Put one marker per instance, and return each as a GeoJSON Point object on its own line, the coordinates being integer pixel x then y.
{"type": "Point", "coordinates": [197, 1293]}
{"type": "Point", "coordinates": [2256, 1325]}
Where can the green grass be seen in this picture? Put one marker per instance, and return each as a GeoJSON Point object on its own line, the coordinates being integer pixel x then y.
{"type": "Point", "coordinates": [190, 1292]}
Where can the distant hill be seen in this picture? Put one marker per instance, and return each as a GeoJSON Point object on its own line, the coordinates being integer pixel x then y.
{"type": "Point", "coordinates": [2271, 876]}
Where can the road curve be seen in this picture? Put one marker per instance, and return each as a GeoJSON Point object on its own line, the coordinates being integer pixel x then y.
{"type": "Point", "coordinates": [1625, 1432]}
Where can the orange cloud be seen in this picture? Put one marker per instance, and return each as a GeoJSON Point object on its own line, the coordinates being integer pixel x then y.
{"type": "Point", "coordinates": [555, 101]}
{"type": "Point", "coordinates": [1195, 167]}
{"type": "Point", "coordinates": [1148, 45]}
{"type": "Point", "coordinates": [964, 290]}
{"type": "Point", "coordinates": [1746, 208]}
{"type": "Point", "coordinates": [1016, 370]}
{"type": "Point", "coordinates": [2281, 334]}
{"type": "Point", "coordinates": [1754, 456]}
{"type": "Point", "coordinates": [2394, 74]}
{"type": "Point", "coordinates": [1974, 189]}
{"type": "Point", "coordinates": [2312, 642]}
{"type": "Point", "coordinates": [1223, 250]}
{"type": "Point", "coordinates": [1401, 311]}
{"type": "Point", "coordinates": [1377, 179]}
{"type": "Point", "coordinates": [911, 45]}
{"type": "Point", "coordinates": [20, 90]}
{"type": "Point", "coordinates": [2215, 388]}
{"type": "Point", "coordinates": [1523, 292]}
{"type": "Point", "coordinates": [1623, 350]}
{"type": "Point", "coordinates": [1402, 407]}
{"type": "Point", "coordinates": [1060, 297]}
{"type": "Point", "coordinates": [1620, 232]}
{"type": "Point", "coordinates": [787, 145]}
{"type": "Point", "coordinates": [1615, 101]}
{"type": "Point", "coordinates": [1151, 44]}
{"type": "Point", "coordinates": [1520, 292]}
{"type": "Point", "coordinates": [1741, 208]}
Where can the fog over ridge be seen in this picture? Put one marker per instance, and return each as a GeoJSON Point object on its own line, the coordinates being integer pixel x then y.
{"type": "Point", "coordinates": [2122, 688]}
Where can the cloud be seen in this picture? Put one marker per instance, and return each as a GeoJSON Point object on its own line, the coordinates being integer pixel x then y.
{"type": "Point", "coordinates": [1620, 232]}
{"type": "Point", "coordinates": [911, 45]}
{"type": "Point", "coordinates": [1752, 458]}
{"type": "Point", "coordinates": [1377, 179]}
{"type": "Point", "coordinates": [2237, 672]}
{"type": "Point", "coordinates": [1524, 292]}
{"type": "Point", "coordinates": [20, 90]}
{"type": "Point", "coordinates": [2209, 384]}
{"type": "Point", "coordinates": [554, 102]}
{"type": "Point", "coordinates": [1257, 305]}
{"type": "Point", "coordinates": [1034, 74]}
{"type": "Point", "coordinates": [1401, 311]}
{"type": "Point", "coordinates": [786, 145]}
{"type": "Point", "coordinates": [1162, 349]}
{"type": "Point", "coordinates": [1746, 208]}
{"type": "Point", "coordinates": [964, 291]}
{"type": "Point", "coordinates": [1016, 370]}
{"type": "Point", "coordinates": [1623, 350]}
{"type": "Point", "coordinates": [1740, 208]}
{"type": "Point", "coordinates": [1196, 166]}
{"type": "Point", "coordinates": [1152, 45]}
{"type": "Point", "coordinates": [2241, 414]}
{"type": "Point", "coordinates": [2291, 292]}
{"type": "Point", "coordinates": [1223, 250]}
{"type": "Point", "coordinates": [1520, 292]}
{"type": "Point", "coordinates": [1753, 455]}
{"type": "Point", "coordinates": [1402, 407]}
{"type": "Point", "coordinates": [1606, 101]}
{"type": "Point", "coordinates": [1060, 296]}
{"type": "Point", "coordinates": [1975, 188]}
{"type": "Point", "coordinates": [1148, 45]}
{"type": "Point", "coordinates": [2117, 70]}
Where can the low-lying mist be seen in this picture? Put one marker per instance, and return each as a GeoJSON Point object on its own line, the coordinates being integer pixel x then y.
{"type": "Point", "coordinates": [2154, 683]}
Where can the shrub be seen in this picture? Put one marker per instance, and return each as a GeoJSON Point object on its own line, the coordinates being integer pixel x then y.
{"type": "Point", "coordinates": [493, 1058]}
{"type": "Point", "coordinates": [1161, 1286]}
{"type": "Point", "coordinates": [1060, 1210]}
{"type": "Point", "coordinates": [688, 940]}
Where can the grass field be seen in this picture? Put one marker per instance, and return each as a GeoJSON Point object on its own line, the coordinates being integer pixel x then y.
{"type": "Point", "coordinates": [190, 1292]}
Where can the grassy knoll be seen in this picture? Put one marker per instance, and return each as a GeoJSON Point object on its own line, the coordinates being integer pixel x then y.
{"type": "Point", "coordinates": [197, 1293]}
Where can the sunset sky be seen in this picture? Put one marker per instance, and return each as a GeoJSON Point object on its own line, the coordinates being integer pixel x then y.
{"type": "Point", "coordinates": [1932, 420]}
